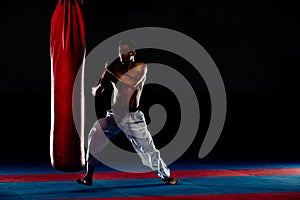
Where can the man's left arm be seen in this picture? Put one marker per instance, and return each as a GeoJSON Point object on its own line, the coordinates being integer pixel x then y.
{"type": "Point", "coordinates": [134, 77]}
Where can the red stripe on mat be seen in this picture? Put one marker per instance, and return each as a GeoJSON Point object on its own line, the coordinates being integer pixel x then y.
{"type": "Point", "coordinates": [270, 172]}
{"type": "Point", "coordinates": [125, 175]}
{"type": "Point", "coordinates": [264, 196]}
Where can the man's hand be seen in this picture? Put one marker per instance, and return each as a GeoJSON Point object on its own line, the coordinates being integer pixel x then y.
{"type": "Point", "coordinates": [106, 65]}
{"type": "Point", "coordinates": [96, 90]}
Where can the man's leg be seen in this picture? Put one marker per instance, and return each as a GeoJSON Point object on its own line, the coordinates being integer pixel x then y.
{"type": "Point", "coordinates": [141, 140]}
{"type": "Point", "coordinates": [98, 138]}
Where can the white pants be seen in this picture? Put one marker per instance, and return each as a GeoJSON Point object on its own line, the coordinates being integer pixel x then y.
{"type": "Point", "coordinates": [135, 128]}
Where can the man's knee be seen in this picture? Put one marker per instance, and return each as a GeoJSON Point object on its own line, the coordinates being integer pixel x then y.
{"type": "Point", "coordinates": [96, 129]}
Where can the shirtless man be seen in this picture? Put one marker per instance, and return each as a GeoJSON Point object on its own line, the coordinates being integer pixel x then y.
{"type": "Point", "coordinates": [128, 78]}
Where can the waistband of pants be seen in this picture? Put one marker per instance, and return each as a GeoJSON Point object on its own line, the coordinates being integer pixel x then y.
{"type": "Point", "coordinates": [111, 111]}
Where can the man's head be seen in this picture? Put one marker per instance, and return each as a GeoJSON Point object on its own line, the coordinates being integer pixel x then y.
{"type": "Point", "coordinates": [126, 50]}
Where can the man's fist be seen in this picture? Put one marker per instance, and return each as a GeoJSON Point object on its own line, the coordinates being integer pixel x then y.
{"type": "Point", "coordinates": [96, 90]}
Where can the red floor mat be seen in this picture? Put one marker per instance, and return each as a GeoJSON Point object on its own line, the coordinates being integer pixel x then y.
{"type": "Point", "coordinates": [124, 175]}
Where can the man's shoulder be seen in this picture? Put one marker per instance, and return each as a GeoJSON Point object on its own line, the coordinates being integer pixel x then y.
{"type": "Point", "coordinates": [140, 64]}
{"type": "Point", "coordinates": [141, 67]}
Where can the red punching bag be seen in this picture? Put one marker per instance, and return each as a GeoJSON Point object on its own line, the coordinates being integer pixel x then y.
{"type": "Point", "coordinates": [67, 51]}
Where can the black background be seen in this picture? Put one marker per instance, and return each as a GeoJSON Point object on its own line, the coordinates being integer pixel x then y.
{"type": "Point", "coordinates": [255, 45]}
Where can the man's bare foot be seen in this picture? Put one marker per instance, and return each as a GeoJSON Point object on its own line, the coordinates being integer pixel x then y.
{"type": "Point", "coordinates": [84, 181]}
{"type": "Point", "coordinates": [170, 181]}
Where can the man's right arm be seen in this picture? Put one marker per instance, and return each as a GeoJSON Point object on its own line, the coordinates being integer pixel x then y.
{"type": "Point", "coordinates": [99, 87]}
{"type": "Point", "coordinates": [104, 81]}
